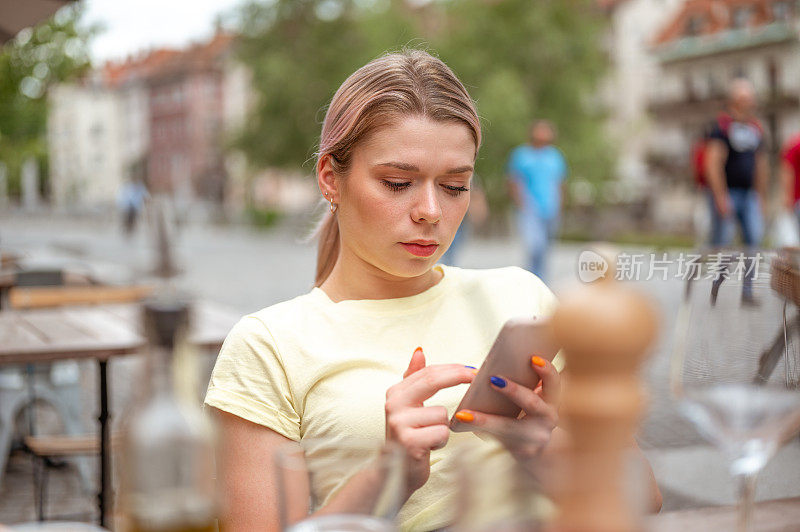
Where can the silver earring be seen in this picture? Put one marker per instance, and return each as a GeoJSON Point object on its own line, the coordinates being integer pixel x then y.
{"type": "Point", "coordinates": [333, 206]}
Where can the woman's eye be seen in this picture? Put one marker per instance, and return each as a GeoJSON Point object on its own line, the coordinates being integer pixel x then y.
{"type": "Point", "coordinates": [455, 191]}
{"type": "Point", "coordinates": [396, 186]}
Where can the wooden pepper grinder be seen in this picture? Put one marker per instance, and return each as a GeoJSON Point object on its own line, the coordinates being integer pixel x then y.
{"type": "Point", "coordinates": [604, 329]}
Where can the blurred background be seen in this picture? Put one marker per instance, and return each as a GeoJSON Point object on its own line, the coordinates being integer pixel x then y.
{"type": "Point", "coordinates": [218, 104]}
{"type": "Point", "coordinates": [217, 107]}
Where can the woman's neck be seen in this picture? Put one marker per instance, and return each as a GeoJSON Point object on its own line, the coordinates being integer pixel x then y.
{"type": "Point", "coordinates": [353, 278]}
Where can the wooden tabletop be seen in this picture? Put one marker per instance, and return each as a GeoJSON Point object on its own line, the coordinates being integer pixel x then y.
{"type": "Point", "coordinates": [781, 515]}
{"type": "Point", "coordinates": [102, 331]}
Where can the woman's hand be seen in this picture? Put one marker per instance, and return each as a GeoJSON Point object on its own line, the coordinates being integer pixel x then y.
{"type": "Point", "coordinates": [417, 428]}
{"type": "Point", "coordinates": [528, 435]}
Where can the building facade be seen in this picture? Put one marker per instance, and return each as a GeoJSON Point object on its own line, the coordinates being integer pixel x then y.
{"type": "Point", "coordinates": [705, 46]}
{"type": "Point", "coordinates": [163, 116]}
{"type": "Point", "coordinates": [86, 135]}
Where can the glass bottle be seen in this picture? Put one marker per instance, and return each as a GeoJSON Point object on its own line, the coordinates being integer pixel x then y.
{"type": "Point", "coordinates": [167, 482]}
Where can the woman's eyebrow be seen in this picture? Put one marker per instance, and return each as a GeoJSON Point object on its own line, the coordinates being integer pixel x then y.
{"type": "Point", "coordinates": [460, 169]}
{"type": "Point", "coordinates": [400, 166]}
{"type": "Point", "coordinates": [411, 168]}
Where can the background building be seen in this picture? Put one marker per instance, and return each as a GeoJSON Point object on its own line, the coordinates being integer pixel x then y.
{"type": "Point", "coordinates": [163, 117]}
{"type": "Point", "coordinates": [699, 51]}
{"type": "Point", "coordinates": [86, 136]}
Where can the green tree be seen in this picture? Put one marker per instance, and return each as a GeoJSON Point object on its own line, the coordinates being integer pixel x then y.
{"type": "Point", "coordinates": [299, 52]}
{"type": "Point", "coordinates": [523, 59]}
{"type": "Point", "coordinates": [55, 50]}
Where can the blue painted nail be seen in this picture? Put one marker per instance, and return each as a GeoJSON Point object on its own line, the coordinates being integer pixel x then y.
{"type": "Point", "coordinates": [497, 381]}
{"type": "Point", "coordinates": [471, 367]}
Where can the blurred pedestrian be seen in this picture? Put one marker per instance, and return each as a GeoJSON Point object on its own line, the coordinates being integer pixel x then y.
{"type": "Point", "coordinates": [477, 213]}
{"type": "Point", "coordinates": [790, 175]}
{"type": "Point", "coordinates": [736, 170]}
{"type": "Point", "coordinates": [700, 218]}
{"type": "Point", "coordinates": [536, 177]}
{"type": "Point", "coordinates": [130, 202]}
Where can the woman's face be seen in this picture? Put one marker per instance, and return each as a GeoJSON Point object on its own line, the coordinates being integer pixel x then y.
{"type": "Point", "coordinates": [405, 195]}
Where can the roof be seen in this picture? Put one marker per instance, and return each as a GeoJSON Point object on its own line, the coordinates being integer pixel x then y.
{"type": "Point", "coordinates": [706, 27]}
{"type": "Point", "coordinates": [709, 17]}
{"type": "Point", "coordinates": [166, 61]}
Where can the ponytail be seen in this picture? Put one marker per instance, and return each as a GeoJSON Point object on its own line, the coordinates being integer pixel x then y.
{"type": "Point", "coordinates": [328, 247]}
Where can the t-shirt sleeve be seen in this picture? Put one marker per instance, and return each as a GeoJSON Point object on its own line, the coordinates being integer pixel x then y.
{"type": "Point", "coordinates": [249, 379]}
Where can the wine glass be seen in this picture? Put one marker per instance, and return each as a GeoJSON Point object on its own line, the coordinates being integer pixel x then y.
{"type": "Point", "coordinates": [311, 472]}
{"type": "Point", "coordinates": [734, 368]}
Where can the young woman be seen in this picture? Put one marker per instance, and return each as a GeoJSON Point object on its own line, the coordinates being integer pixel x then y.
{"type": "Point", "coordinates": [382, 345]}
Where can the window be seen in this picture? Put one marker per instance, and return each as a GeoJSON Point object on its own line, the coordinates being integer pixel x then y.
{"type": "Point", "coordinates": [741, 17]}
{"type": "Point", "coordinates": [781, 10]}
{"type": "Point", "coordinates": [694, 25]}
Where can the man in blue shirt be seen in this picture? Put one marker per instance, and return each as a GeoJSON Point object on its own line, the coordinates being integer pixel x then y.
{"type": "Point", "coordinates": [536, 174]}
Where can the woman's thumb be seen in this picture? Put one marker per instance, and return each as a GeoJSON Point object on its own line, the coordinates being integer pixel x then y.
{"type": "Point", "coordinates": [417, 362]}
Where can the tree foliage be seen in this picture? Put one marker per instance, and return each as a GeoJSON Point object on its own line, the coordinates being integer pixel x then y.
{"type": "Point", "coordinates": [520, 59]}
{"type": "Point", "coordinates": [299, 52]}
{"type": "Point", "coordinates": [53, 51]}
{"type": "Point", "coordinates": [523, 60]}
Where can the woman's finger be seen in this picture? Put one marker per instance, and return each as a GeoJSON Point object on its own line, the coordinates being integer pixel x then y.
{"type": "Point", "coordinates": [428, 438]}
{"type": "Point", "coordinates": [529, 433]}
{"type": "Point", "coordinates": [424, 383]}
{"type": "Point", "coordinates": [530, 402]}
{"type": "Point", "coordinates": [417, 362]}
{"type": "Point", "coordinates": [551, 380]}
{"type": "Point", "coordinates": [418, 417]}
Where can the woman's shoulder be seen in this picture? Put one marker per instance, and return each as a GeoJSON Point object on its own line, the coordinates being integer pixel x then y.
{"type": "Point", "coordinates": [510, 291]}
{"type": "Point", "coordinates": [493, 277]}
{"type": "Point", "coordinates": [285, 314]}
{"type": "Point", "coordinates": [510, 281]}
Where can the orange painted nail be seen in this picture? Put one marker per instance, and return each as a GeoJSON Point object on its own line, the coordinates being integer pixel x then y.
{"type": "Point", "coordinates": [465, 417]}
{"type": "Point", "coordinates": [418, 350]}
{"type": "Point", "coordinates": [538, 361]}
{"type": "Point", "coordinates": [474, 371]}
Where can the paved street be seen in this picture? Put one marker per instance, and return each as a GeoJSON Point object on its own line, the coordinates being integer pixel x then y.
{"type": "Point", "coordinates": [247, 269]}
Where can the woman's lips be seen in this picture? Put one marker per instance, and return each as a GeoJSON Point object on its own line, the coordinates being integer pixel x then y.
{"type": "Point", "coordinates": [420, 250]}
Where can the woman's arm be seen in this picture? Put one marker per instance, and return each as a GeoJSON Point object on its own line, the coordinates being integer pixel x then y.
{"type": "Point", "coordinates": [245, 458]}
{"type": "Point", "coordinates": [246, 474]}
{"type": "Point", "coordinates": [249, 483]}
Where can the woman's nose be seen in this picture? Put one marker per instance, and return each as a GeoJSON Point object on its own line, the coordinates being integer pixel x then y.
{"type": "Point", "coordinates": [426, 205]}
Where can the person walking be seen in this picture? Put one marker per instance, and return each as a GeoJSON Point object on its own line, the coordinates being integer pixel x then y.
{"type": "Point", "coordinates": [736, 170]}
{"type": "Point", "coordinates": [536, 176]}
{"type": "Point", "coordinates": [130, 201]}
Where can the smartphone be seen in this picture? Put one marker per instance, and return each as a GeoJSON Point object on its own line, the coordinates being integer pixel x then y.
{"type": "Point", "coordinates": [510, 356]}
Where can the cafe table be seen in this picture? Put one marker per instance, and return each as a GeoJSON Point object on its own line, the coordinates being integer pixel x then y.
{"type": "Point", "coordinates": [97, 332]}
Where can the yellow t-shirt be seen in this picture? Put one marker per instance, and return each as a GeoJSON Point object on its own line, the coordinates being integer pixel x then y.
{"type": "Point", "coordinates": [312, 368]}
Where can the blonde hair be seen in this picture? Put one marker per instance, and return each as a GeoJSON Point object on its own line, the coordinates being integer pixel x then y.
{"type": "Point", "coordinates": [407, 83]}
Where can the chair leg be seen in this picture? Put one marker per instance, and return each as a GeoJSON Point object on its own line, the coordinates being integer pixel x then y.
{"type": "Point", "coordinates": [43, 491]}
{"type": "Point", "coordinates": [38, 470]}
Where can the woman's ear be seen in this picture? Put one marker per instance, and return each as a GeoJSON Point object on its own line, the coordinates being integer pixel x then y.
{"type": "Point", "coordinates": [326, 179]}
